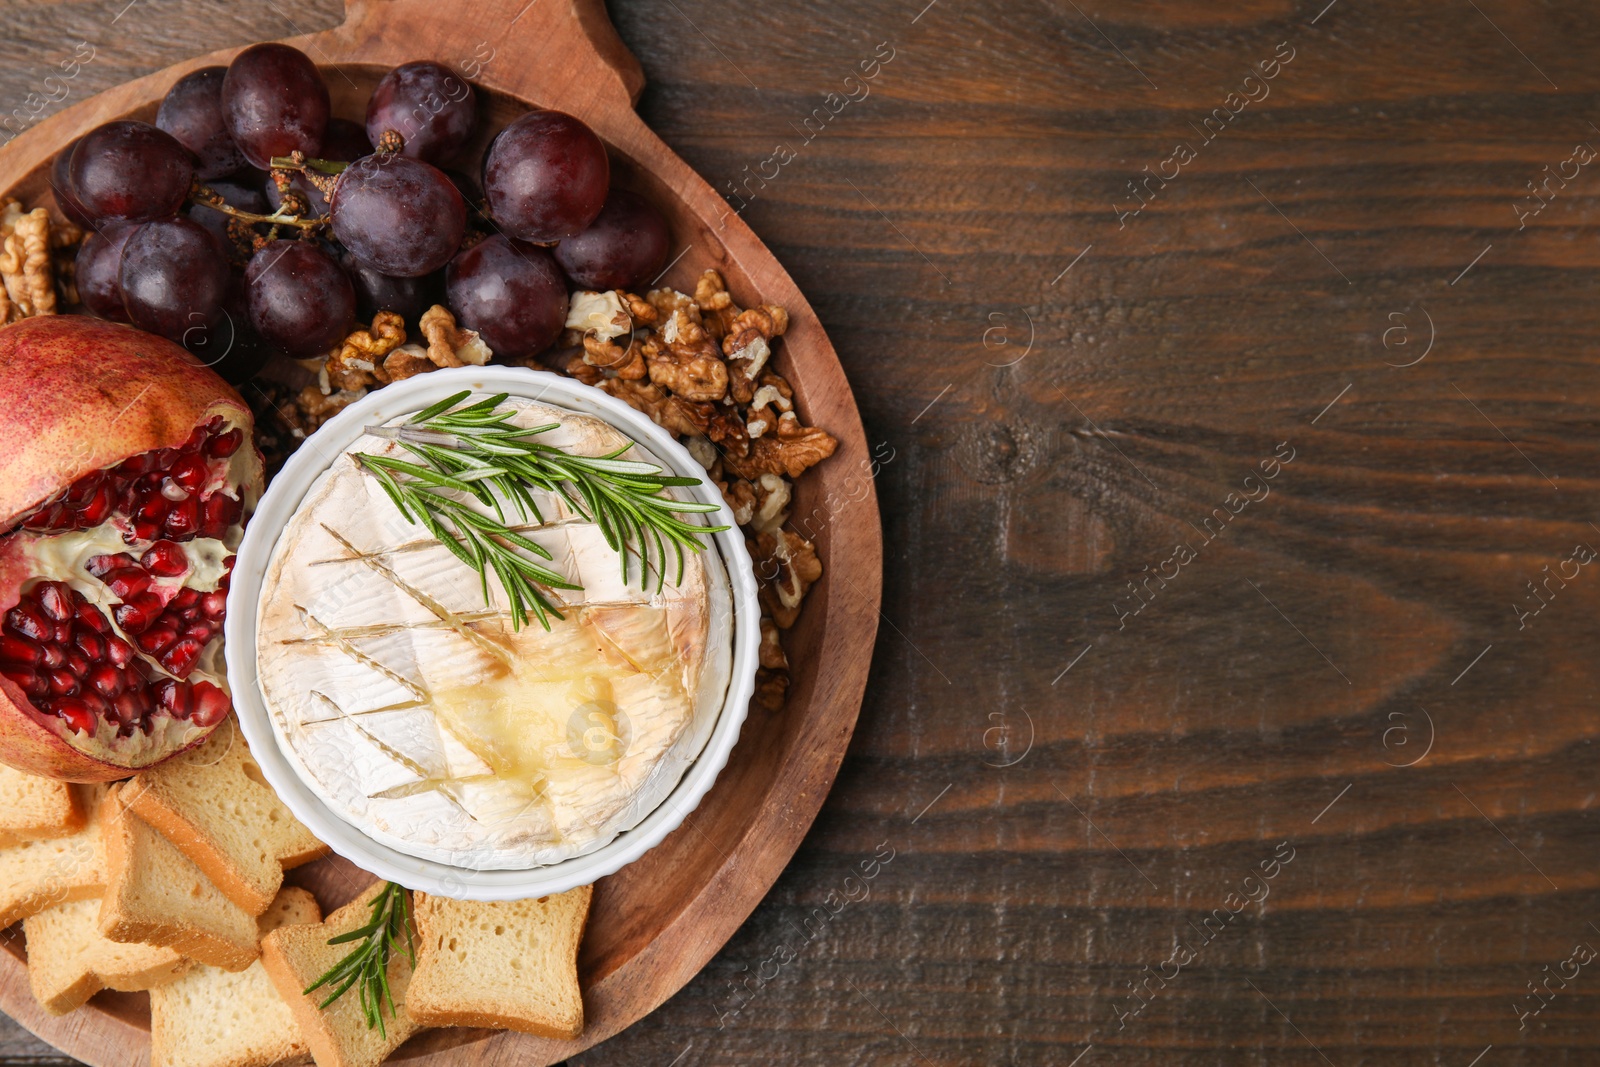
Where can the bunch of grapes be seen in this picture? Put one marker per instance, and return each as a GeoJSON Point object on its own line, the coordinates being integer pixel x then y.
{"type": "Point", "coordinates": [250, 221]}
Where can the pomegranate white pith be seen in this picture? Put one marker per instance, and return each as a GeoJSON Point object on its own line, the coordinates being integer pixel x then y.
{"type": "Point", "coordinates": [113, 586]}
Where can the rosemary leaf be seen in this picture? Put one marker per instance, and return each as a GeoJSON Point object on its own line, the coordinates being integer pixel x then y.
{"type": "Point", "coordinates": [475, 452]}
{"type": "Point", "coordinates": [366, 967]}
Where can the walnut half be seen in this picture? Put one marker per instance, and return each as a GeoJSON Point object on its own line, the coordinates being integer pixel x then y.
{"type": "Point", "coordinates": [788, 566]}
{"type": "Point", "coordinates": [25, 265]}
{"type": "Point", "coordinates": [359, 360]}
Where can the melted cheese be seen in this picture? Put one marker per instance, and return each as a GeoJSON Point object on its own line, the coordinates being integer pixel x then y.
{"type": "Point", "coordinates": [427, 720]}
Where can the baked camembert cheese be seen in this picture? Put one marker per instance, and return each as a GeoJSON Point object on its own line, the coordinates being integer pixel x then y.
{"type": "Point", "coordinates": [424, 718]}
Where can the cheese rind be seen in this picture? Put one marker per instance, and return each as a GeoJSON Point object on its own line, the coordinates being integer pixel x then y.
{"type": "Point", "coordinates": [426, 720]}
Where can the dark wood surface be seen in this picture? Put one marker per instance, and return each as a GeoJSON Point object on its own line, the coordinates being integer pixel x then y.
{"type": "Point", "coordinates": [1352, 666]}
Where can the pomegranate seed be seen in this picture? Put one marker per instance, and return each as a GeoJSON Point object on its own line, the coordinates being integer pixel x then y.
{"type": "Point", "coordinates": [26, 620]}
{"type": "Point", "coordinates": [48, 518]}
{"type": "Point", "coordinates": [77, 713]}
{"type": "Point", "coordinates": [106, 680]}
{"type": "Point", "coordinates": [214, 605]}
{"type": "Point", "coordinates": [102, 565]}
{"type": "Point", "coordinates": [145, 530]}
{"type": "Point", "coordinates": [80, 490]}
{"type": "Point", "coordinates": [190, 472]}
{"type": "Point", "coordinates": [184, 519]}
{"type": "Point", "coordinates": [89, 615]}
{"type": "Point", "coordinates": [53, 656]}
{"type": "Point", "coordinates": [62, 683]}
{"type": "Point", "coordinates": [180, 659]}
{"type": "Point", "coordinates": [131, 619]}
{"type": "Point", "coordinates": [78, 664]}
{"type": "Point", "coordinates": [56, 600]}
{"type": "Point", "coordinates": [148, 602]}
{"type": "Point", "coordinates": [97, 509]}
{"type": "Point", "coordinates": [90, 644]}
{"type": "Point", "coordinates": [176, 698]}
{"type": "Point", "coordinates": [127, 711]}
{"type": "Point", "coordinates": [14, 649]}
{"type": "Point", "coordinates": [154, 508]}
{"type": "Point", "coordinates": [155, 640]}
{"type": "Point", "coordinates": [211, 705]}
{"type": "Point", "coordinates": [172, 491]}
{"type": "Point", "coordinates": [119, 653]}
{"type": "Point", "coordinates": [136, 464]}
{"type": "Point", "coordinates": [164, 559]}
{"type": "Point", "coordinates": [225, 444]}
{"type": "Point", "coordinates": [200, 631]}
{"type": "Point", "coordinates": [126, 581]}
{"type": "Point", "coordinates": [221, 512]}
{"type": "Point", "coordinates": [26, 680]}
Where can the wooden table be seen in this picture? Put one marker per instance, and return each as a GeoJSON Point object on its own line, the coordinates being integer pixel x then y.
{"type": "Point", "coordinates": [1233, 700]}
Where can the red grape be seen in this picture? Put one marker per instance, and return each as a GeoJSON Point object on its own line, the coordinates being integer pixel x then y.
{"type": "Point", "coordinates": [299, 299]}
{"type": "Point", "coordinates": [345, 141]}
{"type": "Point", "coordinates": [130, 171]}
{"type": "Point", "coordinates": [512, 293]}
{"type": "Point", "coordinates": [546, 177]}
{"type": "Point", "coordinates": [431, 107]}
{"type": "Point", "coordinates": [61, 186]}
{"type": "Point", "coordinates": [398, 215]}
{"type": "Point", "coordinates": [375, 292]}
{"type": "Point", "coordinates": [192, 112]}
{"type": "Point", "coordinates": [212, 343]}
{"type": "Point", "coordinates": [245, 353]}
{"type": "Point", "coordinates": [174, 276]}
{"type": "Point", "coordinates": [466, 185]}
{"type": "Point", "coordinates": [97, 268]}
{"type": "Point", "coordinates": [623, 248]}
{"type": "Point", "coordinates": [276, 103]}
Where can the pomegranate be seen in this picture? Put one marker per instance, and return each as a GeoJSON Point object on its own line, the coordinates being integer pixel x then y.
{"type": "Point", "coordinates": [126, 472]}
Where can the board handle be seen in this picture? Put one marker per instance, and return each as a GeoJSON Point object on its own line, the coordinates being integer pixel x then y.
{"type": "Point", "coordinates": [537, 48]}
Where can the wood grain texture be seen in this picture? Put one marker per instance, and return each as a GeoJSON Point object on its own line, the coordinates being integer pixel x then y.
{"type": "Point", "coordinates": [927, 223]}
{"type": "Point", "coordinates": [657, 922]}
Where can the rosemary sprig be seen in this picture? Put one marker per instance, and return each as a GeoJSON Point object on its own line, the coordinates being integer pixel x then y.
{"type": "Point", "coordinates": [367, 965]}
{"type": "Point", "coordinates": [475, 453]}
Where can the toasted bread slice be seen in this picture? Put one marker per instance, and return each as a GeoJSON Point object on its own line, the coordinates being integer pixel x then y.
{"type": "Point", "coordinates": [211, 1018]}
{"type": "Point", "coordinates": [33, 808]}
{"type": "Point", "coordinates": [69, 962]}
{"type": "Point", "coordinates": [214, 805]}
{"type": "Point", "coordinates": [154, 895]}
{"type": "Point", "coordinates": [510, 965]}
{"type": "Point", "coordinates": [296, 956]}
{"type": "Point", "coordinates": [35, 875]}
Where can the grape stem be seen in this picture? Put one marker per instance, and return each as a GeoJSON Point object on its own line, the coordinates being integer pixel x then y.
{"type": "Point", "coordinates": [298, 162]}
{"type": "Point", "coordinates": [207, 197]}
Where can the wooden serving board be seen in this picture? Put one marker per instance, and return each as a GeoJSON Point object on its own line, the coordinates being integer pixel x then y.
{"type": "Point", "coordinates": [657, 922]}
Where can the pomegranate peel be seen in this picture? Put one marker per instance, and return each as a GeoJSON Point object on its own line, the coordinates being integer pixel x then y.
{"type": "Point", "coordinates": [79, 394]}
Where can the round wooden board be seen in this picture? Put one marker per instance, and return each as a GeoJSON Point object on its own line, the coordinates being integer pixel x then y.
{"type": "Point", "coordinates": [657, 922]}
